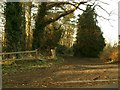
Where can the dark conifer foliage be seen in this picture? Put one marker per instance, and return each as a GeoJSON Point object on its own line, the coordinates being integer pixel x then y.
{"type": "Point", "coordinates": [90, 41]}
{"type": "Point", "coordinates": [13, 23]}
{"type": "Point", "coordinates": [39, 26]}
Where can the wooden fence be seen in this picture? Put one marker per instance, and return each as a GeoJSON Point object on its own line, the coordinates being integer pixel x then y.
{"type": "Point", "coordinates": [22, 55]}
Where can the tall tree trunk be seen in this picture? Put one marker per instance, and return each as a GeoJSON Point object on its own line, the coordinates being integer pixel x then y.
{"type": "Point", "coordinates": [23, 27]}
{"type": "Point", "coordinates": [28, 26]}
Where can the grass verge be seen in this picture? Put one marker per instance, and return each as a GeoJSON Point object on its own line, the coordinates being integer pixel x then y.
{"type": "Point", "coordinates": [30, 65]}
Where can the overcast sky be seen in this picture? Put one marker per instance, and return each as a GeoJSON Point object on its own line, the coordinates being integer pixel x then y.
{"type": "Point", "coordinates": [119, 18]}
{"type": "Point", "coordinates": [110, 29]}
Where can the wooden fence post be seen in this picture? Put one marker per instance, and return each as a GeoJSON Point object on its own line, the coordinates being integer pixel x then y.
{"type": "Point", "coordinates": [36, 54]}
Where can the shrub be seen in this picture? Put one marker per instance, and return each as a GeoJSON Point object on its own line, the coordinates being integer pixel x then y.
{"type": "Point", "coordinates": [61, 49]}
{"type": "Point", "coordinates": [110, 54]}
{"type": "Point", "coordinates": [64, 50]}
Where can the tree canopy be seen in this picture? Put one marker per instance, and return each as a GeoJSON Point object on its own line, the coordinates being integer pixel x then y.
{"type": "Point", "coordinates": [13, 32]}
{"type": "Point", "coordinates": [90, 41]}
{"type": "Point", "coordinates": [25, 30]}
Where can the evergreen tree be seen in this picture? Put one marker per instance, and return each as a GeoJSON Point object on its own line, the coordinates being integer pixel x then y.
{"type": "Point", "coordinates": [13, 32]}
{"type": "Point", "coordinates": [39, 26]}
{"type": "Point", "coordinates": [90, 40]}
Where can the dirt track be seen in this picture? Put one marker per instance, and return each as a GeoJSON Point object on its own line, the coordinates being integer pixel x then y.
{"type": "Point", "coordinates": [73, 72]}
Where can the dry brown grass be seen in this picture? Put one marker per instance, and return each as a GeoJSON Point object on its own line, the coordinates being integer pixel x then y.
{"type": "Point", "coordinates": [110, 54]}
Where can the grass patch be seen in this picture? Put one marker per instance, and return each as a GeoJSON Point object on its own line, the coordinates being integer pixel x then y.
{"type": "Point", "coordinates": [59, 60]}
{"type": "Point", "coordinates": [29, 65]}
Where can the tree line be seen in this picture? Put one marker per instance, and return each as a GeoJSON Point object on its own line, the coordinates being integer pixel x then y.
{"type": "Point", "coordinates": [51, 22]}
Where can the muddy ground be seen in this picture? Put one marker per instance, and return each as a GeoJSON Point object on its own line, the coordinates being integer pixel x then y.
{"type": "Point", "coordinates": [72, 72]}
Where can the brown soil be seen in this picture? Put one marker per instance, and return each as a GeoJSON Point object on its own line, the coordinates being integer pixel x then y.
{"type": "Point", "coordinates": [73, 72]}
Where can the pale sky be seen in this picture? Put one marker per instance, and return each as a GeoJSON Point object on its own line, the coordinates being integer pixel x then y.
{"type": "Point", "coordinates": [119, 18]}
{"type": "Point", "coordinates": [109, 28]}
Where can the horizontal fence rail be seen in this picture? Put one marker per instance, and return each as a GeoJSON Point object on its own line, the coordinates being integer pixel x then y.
{"type": "Point", "coordinates": [22, 55]}
{"type": "Point", "coordinates": [20, 52]}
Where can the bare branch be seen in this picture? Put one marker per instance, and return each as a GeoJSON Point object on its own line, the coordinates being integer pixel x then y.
{"type": "Point", "coordinates": [62, 8]}
{"type": "Point", "coordinates": [103, 9]}
{"type": "Point", "coordinates": [55, 4]}
{"type": "Point", "coordinates": [102, 2]}
{"type": "Point", "coordinates": [103, 17]}
{"type": "Point", "coordinates": [81, 9]}
{"type": "Point", "coordinates": [64, 13]}
{"type": "Point", "coordinates": [58, 17]}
